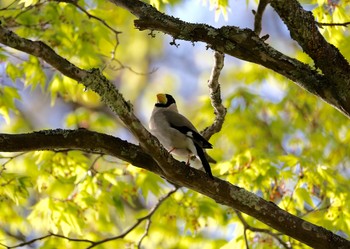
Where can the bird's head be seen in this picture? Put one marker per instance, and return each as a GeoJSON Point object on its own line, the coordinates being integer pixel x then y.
{"type": "Point", "coordinates": [166, 101]}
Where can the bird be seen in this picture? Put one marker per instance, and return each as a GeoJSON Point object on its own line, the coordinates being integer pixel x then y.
{"type": "Point", "coordinates": [177, 134]}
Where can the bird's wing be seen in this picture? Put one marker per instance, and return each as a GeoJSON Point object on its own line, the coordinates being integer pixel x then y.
{"type": "Point", "coordinates": [182, 124]}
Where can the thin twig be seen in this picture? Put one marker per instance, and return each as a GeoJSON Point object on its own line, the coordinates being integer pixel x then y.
{"type": "Point", "coordinates": [92, 166]}
{"type": "Point", "coordinates": [321, 24]}
{"type": "Point", "coordinates": [260, 230]}
{"type": "Point", "coordinates": [246, 238]}
{"type": "Point", "coordinates": [138, 222]}
{"type": "Point", "coordinates": [148, 225]}
{"type": "Point", "coordinates": [258, 15]}
{"type": "Point", "coordinates": [71, 239]}
{"type": "Point", "coordinates": [122, 66]}
{"type": "Point", "coordinates": [27, 242]}
{"type": "Point", "coordinates": [215, 96]}
{"type": "Point", "coordinates": [10, 158]}
{"type": "Point", "coordinates": [13, 234]}
{"type": "Point", "coordinates": [8, 6]}
{"type": "Point", "coordinates": [28, 8]}
{"type": "Point", "coordinates": [316, 208]}
{"type": "Point", "coordinates": [116, 32]}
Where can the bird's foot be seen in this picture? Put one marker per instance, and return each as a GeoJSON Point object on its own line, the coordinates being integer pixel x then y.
{"type": "Point", "coordinates": [190, 158]}
{"type": "Point", "coordinates": [172, 150]}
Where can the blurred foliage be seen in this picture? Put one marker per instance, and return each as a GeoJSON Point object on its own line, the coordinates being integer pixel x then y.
{"type": "Point", "coordinates": [278, 141]}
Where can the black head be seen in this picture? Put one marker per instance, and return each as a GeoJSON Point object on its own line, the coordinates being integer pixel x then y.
{"type": "Point", "coordinates": [164, 100]}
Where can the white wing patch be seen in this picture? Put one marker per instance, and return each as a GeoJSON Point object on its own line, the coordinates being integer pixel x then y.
{"type": "Point", "coordinates": [189, 134]}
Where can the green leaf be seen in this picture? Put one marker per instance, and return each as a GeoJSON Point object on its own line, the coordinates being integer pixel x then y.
{"type": "Point", "coordinates": [14, 72]}
{"type": "Point", "coordinates": [55, 88]}
{"type": "Point", "coordinates": [289, 160]}
{"type": "Point", "coordinates": [28, 2]}
{"type": "Point", "coordinates": [34, 74]}
{"type": "Point", "coordinates": [8, 95]}
{"type": "Point", "coordinates": [302, 195]}
{"type": "Point", "coordinates": [4, 112]}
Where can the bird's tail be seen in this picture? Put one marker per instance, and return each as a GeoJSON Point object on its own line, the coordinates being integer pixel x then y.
{"type": "Point", "coordinates": [201, 155]}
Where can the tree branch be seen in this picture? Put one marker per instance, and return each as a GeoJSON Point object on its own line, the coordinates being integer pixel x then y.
{"type": "Point", "coordinates": [258, 15]}
{"type": "Point", "coordinates": [215, 96]}
{"type": "Point", "coordinates": [25, 243]}
{"type": "Point", "coordinates": [29, 242]}
{"type": "Point", "coordinates": [334, 24]}
{"type": "Point", "coordinates": [244, 44]}
{"type": "Point", "coordinates": [303, 29]}
{"type": "Point", "coordinates": [81, 139]}
{"type": "Point", "coordinates": [221, 191]}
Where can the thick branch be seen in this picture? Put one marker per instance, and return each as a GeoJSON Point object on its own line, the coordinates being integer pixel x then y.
{"type": "Point", "coordinates": [221, 191]}
{"type": "Point", "coordinates": [245, 44]}
{"type": "Point", "coordinates": [81, 139]}
{"type": "Point", "coordinates": [303, 28]}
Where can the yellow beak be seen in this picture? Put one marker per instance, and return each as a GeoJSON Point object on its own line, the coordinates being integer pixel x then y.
{"type": "Point", "coordinates": [162, 98]}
